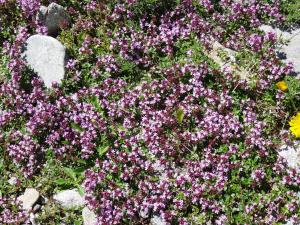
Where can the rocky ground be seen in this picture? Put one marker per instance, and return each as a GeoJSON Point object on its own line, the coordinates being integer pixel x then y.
{"type": "Point", "coordinates": [289, 51]}
{"type": "Point", "coordinates": [48, 58]}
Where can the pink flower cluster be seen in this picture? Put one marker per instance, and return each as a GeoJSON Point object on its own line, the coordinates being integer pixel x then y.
{"type": "Point", "coordinates": [29, 7]}
{"type": "Point", "coordinates": [10, 212]}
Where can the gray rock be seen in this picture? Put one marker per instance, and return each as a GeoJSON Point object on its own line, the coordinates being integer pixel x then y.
{"type": "Point", "coordinates": [41, 14]}
{"type": "Point", "coordinates": [36, 208]}
{"type": "Point", "coordinates": [279, 33]}
{"type": "Point", "coordinates": [228, 64]}
{"type": "Point", "coordinates": [89, 217]}
{"type": "Point", "coordinates": [54, 17]}
{"type": "Point", "coordinates": [29, 198]}
{"type": "Point", "coordinates": [291, 49]}
{"type": "Point", "coordinates": [46, 56]}
{"type": "Point", "coordinates": [45, 200]}
{"type": "Point", "coordinates": [69, 199]}
{"type": "Point", "coordinates": [290, 222]}
{"type": "Point", "coordinates": [157, 220]}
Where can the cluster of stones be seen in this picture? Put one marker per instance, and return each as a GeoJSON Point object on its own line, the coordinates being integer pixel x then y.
{"type": "Point", "coordinates": [289, 52]}
{"type": "Point", "coordinates": [44, 54]}
{"type": "Point", "coordinates": [47, 56]}
{"type": "Point", "coordinates": [33, 202]}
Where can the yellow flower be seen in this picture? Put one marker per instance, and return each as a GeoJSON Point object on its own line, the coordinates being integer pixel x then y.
{"type": "Point", "coordinates": [295, 125]}
{"type": "Point", "coordinates": [282, 85]}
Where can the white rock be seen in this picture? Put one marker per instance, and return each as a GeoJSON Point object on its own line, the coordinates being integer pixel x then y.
{"type": "Point", "coordinates": [229, 64]}
{"type": "Point", "coordinates": [292, 48]}
{"type": "Point", "coordinates": [13, 181]}
{"type": "Point", "coordinates": [69, 199]}
{"type": "Point", "coordinates": [290, 222]}
{"type": "Point", "coordinates": [291, 154]}
{"type": "Point", "coordinates": [144, 214]}
{"type": "Point", "coordinates": [32, 219]}
{"type": "Point", "coordinates": [29, 198]}
{"type": "Point", "coordinates": [245, 1]}
{"type": "Point", "coordinates": [47, 57]}
{"type": "Point", "coordinates": [279, 33]}
{"type": "Point", "coordinates": [156, 220]}
{"type": "Point", "coordinates": [53, 17]}
{"type": "Point", "coordinates": [89, 217]}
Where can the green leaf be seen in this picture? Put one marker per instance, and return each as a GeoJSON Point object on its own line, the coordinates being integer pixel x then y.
{"type": "Point", "coordinates": [79, 170]}
{"type": "Point", "coordinates": [77, 127]}
{"type": "Point", "coordinates": [127, 67]}
{"type": "Point", "coordinates": [65, 142]}
{"type": "Point", "coordinates": [181, 196]}
{"type": "Point", "coordinates": [154, 179]}
{"type": "Point", "coordinates": [179, 115]}
{"type": "Point", "coordinates": [80, 190]}
{"type": "Point", "coordinates": [70, 172]}
{"type": "Point", "coordinates": [61, 181]}
{"type": "Point", "coordinates": [81, 161]}
{"type": "Point", "coordinates": [77, 222]}
{"type": "Point", "coordinates": [95, 102]}
{"type": "Point", "coordinates": [102, 150]}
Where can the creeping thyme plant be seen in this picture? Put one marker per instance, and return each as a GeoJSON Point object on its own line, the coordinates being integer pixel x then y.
{"type": "Point", "coordinates": [145, 122]}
